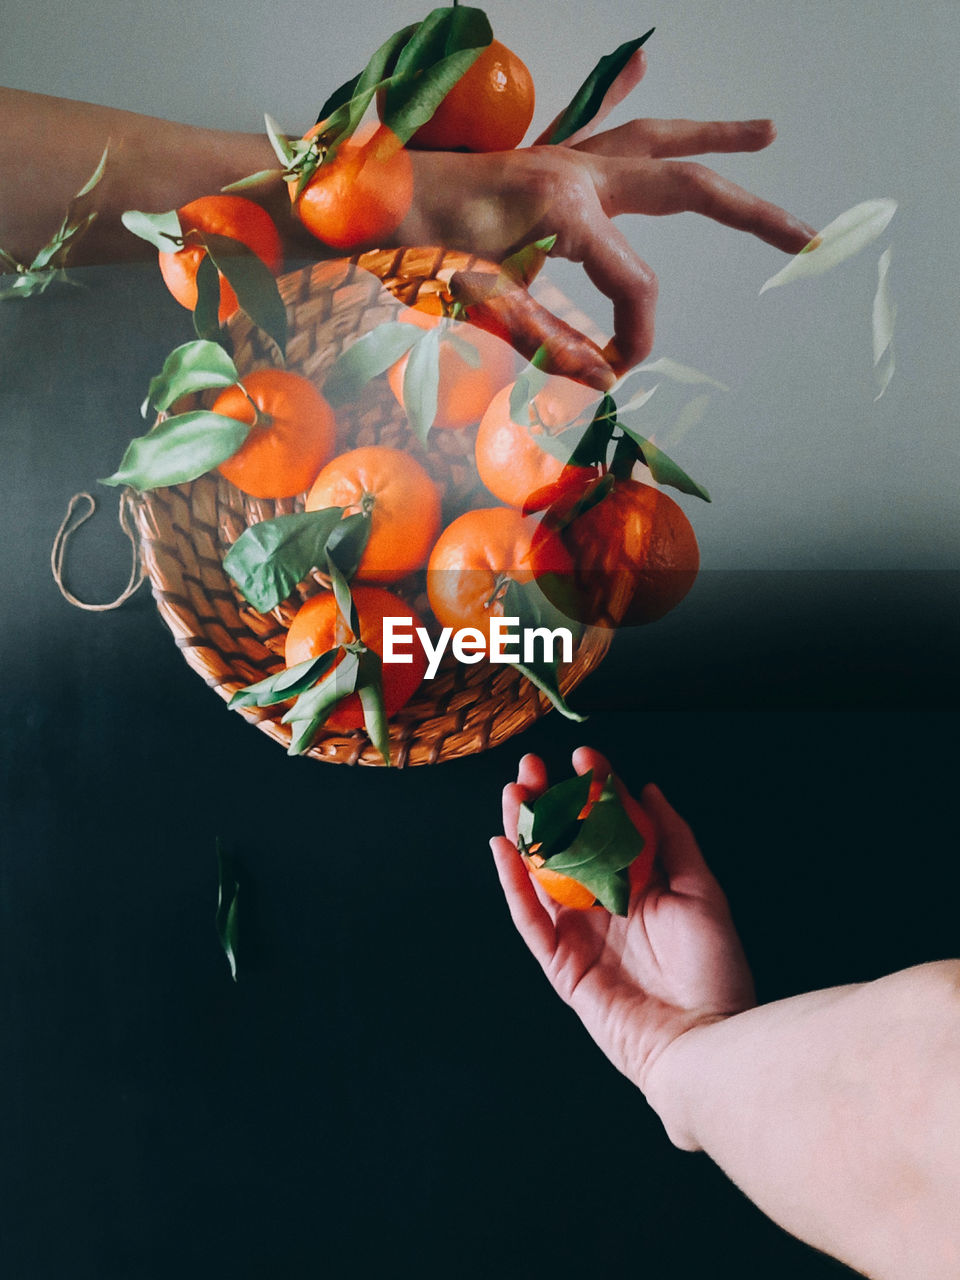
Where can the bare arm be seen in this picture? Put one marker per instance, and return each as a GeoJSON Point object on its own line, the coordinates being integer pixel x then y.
{"type": "Point", "coordinates": [50, 146]}
{"type": "Point", "coordinates": [836, 1112]}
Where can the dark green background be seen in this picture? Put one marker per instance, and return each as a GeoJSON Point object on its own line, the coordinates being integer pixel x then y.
{"type": "Point", "coordinates": [392, 1088]}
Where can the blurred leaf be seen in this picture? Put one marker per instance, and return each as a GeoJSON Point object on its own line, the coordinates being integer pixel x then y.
{"type": "Point", "coordinates": [369, 356]}
{"type": "Point", "coordinates": [588, 99]}
{"type": "Point", "coordinates": [845, 236]}
{"type": "Point", "coordinates": [421, 383]}
{"type": "Point", "coordinates": [271, 557]}
{"type": "Point", "coordinates": [228, 903]}
{"type": "Point", "coordinates": [679, 373]}
{"type": "Point", "coordinates": [883, 319]}
{"type": "Point", "coordinates": [254, 284]}
{"type": "Point", "coordinates": [521, 602]}
{"type": "Point", "coordinates": [179, 449]}
{"type": "Point", "coordinates": [370, 689]}
{"type": "Point", "coordinates": [162, 230]}
{"type": "Point", "coordinates": [194, 366]}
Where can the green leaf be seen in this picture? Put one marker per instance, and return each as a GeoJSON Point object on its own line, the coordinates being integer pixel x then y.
{"type": "Point", "coordinates": [845, 236]}
{"type": "Point", "coordinates": [179, 449]}
{"type": "Point", "coordinates": [467, 352]}
{"type": "Point", "coordinates": [271, 557]}
{"type": "Point", "coordinates": [339, 97]}
{"type": "Point", "coordinates": [286, 684]}
{"type": "Point", "coordinates": [523, 266]}
{"type": "Point", "coordinates": [551, 821]}
{"type": "Point", "coordinates": [206, 314]}
{"type": "Point", "coordinates": [605, 845]}
{"type": "Point", "coordinates": [522, 602]}
{"type": "Point", "coordinates": [530, 381]}
{"type": "Point", "coordinates": [370, 689]}
{"type": "Point", "coordinates": [262, 178]}
{"type": "Point", "coordinates": [364, 359]}
{"type": "Point", "coordinates": [421, 383]}
{"type": "Point", "coordinates": [194, 366]}
{"type": "Point", "coordinates": [663, 469]}
{"type": "Point", "coordinates": [343, 596]}
{"type": "Point", "coordinates": [443, 47]}
{"type": "Point", "coordinates": [589, 97]}
{"type": "Point", "coordinates": [228, 904]}
{"type": "Point", "coordinates": [162, 230]}
{"type": "Point", "coordinates": [284, 150]}
{"type": "Point", "coordinates": [95, 177]}
{"type": "Point", "coordinates": [313, 708]}
{"type": "Point", "coordinates": [254, 284]}
{"type": "Point", "coordinates": [348, 541]}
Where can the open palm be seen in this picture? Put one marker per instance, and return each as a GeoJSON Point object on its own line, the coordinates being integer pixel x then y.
{"type": "Point", "coordinates": [636, 982]}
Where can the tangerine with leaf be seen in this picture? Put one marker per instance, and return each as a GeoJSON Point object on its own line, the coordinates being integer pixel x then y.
{"type": "Point", "coordinates": [318, 626]}
{"type": "Point", "coordinates": [471, 366]}
{"type": "Point", "coordinates": [476, 558]}
{"type": "Point", "coordinates": [357, 193]}
{"type": "Point", "coordinates": [513, 458]}
{"type": "Point", "coordinates": [292, 433]}
{"type": "Point", "coordinates": [230, 216]}
{"type": "Point", "coordinates": [400, 498]}
{"type": "Point", "coordinates": [488, 109]}
{"type": "Point", "coordinates": [634, 550]}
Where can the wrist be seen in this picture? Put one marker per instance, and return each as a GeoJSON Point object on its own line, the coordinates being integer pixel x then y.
{"type": "Point", "coordinates": [669, 1082]}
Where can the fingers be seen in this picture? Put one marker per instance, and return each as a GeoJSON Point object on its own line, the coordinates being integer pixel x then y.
{"type": "Point", "coordinates": [531, 918]}
{"type": "Point", "coordinates": [631, 75]}
{"type": "Point", "coordinates": [532, 773]}
{"type": "Point", "coordinates": [664, 187]}
{"type": "Point", "coordinates": [586, 758]}
{"type": "Point", "coordinates": [531, 780]}
{"type": "Point", "coordinates": [677, 849]}
{"type": "Point", "coordinates": [620, 273]}
{"type": "Point", "coordinates": [655, 139]}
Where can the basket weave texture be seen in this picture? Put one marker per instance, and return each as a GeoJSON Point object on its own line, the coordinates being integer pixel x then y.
{"type": "Point", "coordinates": [185, 530]}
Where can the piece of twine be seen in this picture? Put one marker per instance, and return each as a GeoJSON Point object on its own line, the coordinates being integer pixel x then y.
{"type": "Point", "coordinates": [70, 524]}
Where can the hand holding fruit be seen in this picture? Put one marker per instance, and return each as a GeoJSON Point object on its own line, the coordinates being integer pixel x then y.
{"type": "Point", "coordinates": [640, 981]}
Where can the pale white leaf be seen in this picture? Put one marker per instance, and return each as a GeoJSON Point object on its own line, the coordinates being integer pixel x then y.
{"type": "Point", "coordinates": [637, 401]}
{"type": "Point", "coordinates": [884, 372]}
{"type": "Point", "coordinates": [845, 236]}
{"type": "Point", "coordinates": [884, 310]}
{"type": "Point", "coordinates": [681, 373]}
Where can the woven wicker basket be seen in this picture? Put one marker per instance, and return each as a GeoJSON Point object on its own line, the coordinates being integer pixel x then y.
{"type": "Point", "coordinates": [185, 530]}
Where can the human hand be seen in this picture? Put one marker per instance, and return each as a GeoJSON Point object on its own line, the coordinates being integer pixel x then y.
{"type": "Point", "coordinates": [493, 204]}
{"type": "Point", "coordinates": [637, 982]}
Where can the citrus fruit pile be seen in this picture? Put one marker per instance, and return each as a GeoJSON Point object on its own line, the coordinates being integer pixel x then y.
{"type": "Point", "coordinates": [566, 538]}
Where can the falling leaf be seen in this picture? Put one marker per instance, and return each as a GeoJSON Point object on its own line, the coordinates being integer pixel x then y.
{"type": "Point", "coordinates": [681, 373]}
{"type": "Point", "coordinates": [884, 315]}
{"type": "Point", "coordinates": [844, 237]}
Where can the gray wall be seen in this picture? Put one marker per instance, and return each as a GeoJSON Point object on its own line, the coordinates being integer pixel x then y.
{"type": "Point", "coordinates": [805, 470]}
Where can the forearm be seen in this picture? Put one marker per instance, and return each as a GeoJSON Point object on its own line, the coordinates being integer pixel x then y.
{"type": "Point", "coordinates": [837, 1113]}
{"type": "Point", "coordinates": [50, 146]}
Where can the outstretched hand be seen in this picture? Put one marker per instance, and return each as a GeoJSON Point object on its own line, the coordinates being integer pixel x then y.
{"type": "Point", "coordinates": [640, 981]}
{"type": "Point", "coordinates": [493, 204]}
